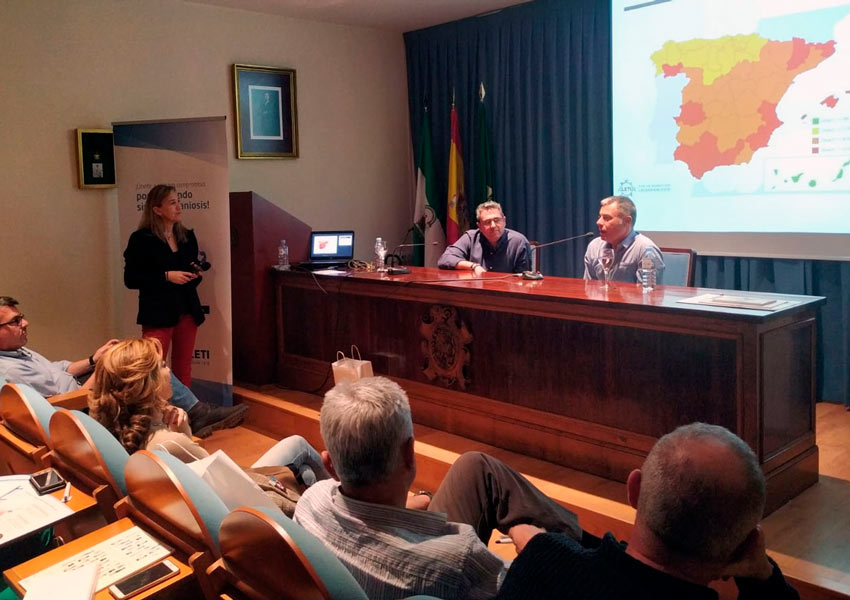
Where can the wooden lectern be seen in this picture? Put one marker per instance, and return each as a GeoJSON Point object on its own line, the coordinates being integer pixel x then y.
{"type": "Point", "coordinates": [256, 228]}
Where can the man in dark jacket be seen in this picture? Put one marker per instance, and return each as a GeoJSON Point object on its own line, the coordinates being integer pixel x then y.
{"type": "Point", "coordinates": [699, 498]}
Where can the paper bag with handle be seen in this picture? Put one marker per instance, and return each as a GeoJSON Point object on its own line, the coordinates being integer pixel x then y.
{"type": "Point", "coordinates": [351, 369]}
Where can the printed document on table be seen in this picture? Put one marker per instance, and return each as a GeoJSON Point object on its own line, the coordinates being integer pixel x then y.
{"type": "Point", "coordinates": [119, 556]}
{"type": "Point", "coordinates": [739, 301]}
{"type": "Point", "coordinates": [23, 511]}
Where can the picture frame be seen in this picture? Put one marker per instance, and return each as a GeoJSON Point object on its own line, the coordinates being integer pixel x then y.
{"type": "Point", "coordinates": [96, 158]}
{"type": "Point", "coordinates": [266, 112]}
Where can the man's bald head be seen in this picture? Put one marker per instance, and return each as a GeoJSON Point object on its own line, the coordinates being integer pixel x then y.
{"type": "Point", "coordinates": [701, 492]}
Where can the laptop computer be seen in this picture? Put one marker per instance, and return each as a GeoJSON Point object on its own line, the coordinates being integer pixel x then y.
{"type": "Point", "coordinates": [329, 249]}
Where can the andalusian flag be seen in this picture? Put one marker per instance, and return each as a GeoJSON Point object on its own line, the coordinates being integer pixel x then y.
{"type": "Point", "coordinates": [457, 221]}
{"type": "Point", "coordinates": [429, 215]}
{"type": "Point", "coordinates": [484, 177]}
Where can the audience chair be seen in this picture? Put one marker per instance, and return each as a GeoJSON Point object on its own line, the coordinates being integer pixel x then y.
{"type": "Point", "coordinates": [90, 456]}
{"type": "Point", "coordinates": [76, 400]}
{"type": "Point", "coordinates": [177, 506]}
{"type": "Point", "coordinates": [265, 554]}
{"type": "Point", "coordinates": [678, 266]}
{"type": "Point", "coordinates": [24, 443]}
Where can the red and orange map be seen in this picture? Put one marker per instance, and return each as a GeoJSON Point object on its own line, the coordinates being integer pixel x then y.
{"type": "Point", "coordinates": [728, 106]}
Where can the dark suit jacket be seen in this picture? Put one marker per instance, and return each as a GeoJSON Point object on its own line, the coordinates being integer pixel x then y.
{"type": "Point", "coordinates": [146, 260]}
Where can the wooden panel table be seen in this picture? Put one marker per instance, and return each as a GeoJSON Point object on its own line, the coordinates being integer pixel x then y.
{"type": "Point", "coordinates": [563, 370]}
{"type": "Point", "coordinates": [170, 587]}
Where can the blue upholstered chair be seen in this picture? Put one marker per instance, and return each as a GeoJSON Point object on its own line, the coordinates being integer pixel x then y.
{"type": "Point", "coordinates": [302, 568]}
{"type": "Point", "coordinates": [168, 499]}
{"type": "Point", "coordinates": [26, 412]}
{"type": "Point", "coordinates": [23, 434]}
{"type": "Point", "coordinates": [678, 266]}
{"type": "Point", "coordinates": [90, 456]}
{"type": "Point", "coordinates": [265, 554]}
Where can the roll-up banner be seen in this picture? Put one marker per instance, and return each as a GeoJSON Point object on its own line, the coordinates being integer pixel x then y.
{"type": "Point", "coordinates": [191, 155]}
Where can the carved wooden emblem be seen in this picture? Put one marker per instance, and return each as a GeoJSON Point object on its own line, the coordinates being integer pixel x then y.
{"type": "Point", "coordinates": [444, 346]}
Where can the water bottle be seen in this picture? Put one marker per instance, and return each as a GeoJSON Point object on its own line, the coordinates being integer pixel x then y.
{"type": "Point", "coordinates": [380, 254]}
{"type": "Point", "coordinates": [283, 256]}
{"type": "Point", "coordinates": [647, 272]}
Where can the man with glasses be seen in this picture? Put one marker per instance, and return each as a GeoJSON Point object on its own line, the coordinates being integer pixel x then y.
{"type": "Point", "coordinates": [491, 247]}
{"type": "Point", "coordinates": [19, 364]}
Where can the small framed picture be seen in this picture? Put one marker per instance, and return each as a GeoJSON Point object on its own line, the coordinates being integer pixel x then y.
{"type": "Point", "coordinates": [96, 158]}
{"type": "Point", "coordinates": [266, 114]}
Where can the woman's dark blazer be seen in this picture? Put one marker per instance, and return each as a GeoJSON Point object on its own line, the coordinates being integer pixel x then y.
{"type": "Point", "coordinates": [161, 302]}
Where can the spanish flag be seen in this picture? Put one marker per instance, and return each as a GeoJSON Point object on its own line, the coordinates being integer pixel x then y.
{"type": "Point", "coordinates": [456, 214]}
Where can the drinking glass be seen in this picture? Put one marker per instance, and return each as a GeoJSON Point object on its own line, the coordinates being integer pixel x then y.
{"type": "Point", "coordinates": [606, 259]}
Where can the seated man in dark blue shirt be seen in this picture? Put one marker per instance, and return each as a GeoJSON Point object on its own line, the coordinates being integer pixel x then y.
{"type": "Point", "coordinates": [491, 247]}
{"type": "Point", "coordinates": [699, 499]}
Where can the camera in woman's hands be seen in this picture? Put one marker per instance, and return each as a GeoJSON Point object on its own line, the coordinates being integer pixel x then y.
{"type": "Point", "coordinates": [200, 265]}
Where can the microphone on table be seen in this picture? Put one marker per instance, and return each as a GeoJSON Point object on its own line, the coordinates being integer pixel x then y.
{"type": "Point", "coordinates": [534, 273]}
{"type": "Point", "coordinates": [404, 270]}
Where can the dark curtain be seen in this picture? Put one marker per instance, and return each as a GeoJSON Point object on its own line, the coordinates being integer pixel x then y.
{"type": "Point", "coordinates": [546, 67]}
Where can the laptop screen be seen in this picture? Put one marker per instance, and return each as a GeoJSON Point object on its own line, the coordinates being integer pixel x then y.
{"type": "Point", "coordinates": [331, 245]}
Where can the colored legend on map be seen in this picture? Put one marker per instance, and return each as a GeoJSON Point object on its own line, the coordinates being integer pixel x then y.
{"type": "Point", "coordinates": [815, 133]}
{"type": "Point", "coordinates": [831, 135]}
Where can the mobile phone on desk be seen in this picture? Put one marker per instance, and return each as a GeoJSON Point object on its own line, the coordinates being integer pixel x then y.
{"type": "Point", "coordinates": [46, 481]}
{"type": "Point", "coordinates": [144, 579]}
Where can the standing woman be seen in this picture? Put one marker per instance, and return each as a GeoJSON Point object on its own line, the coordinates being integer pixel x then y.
{"type": "Point", "coordinates": [158, 262]}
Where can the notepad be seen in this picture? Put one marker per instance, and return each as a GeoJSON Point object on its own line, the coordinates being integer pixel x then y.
{"type": "Point", "coordinates": [117, 557]}
{"type": "Point", "coordinates": [23, 511]}
{"type": "Point", "coordinates": [70, 585]}
{"type": "Point", "coordinates": [739, 301]}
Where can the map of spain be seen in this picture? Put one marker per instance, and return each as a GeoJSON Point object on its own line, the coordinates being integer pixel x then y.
{"type": "Point", "coordinates": [728, 108]}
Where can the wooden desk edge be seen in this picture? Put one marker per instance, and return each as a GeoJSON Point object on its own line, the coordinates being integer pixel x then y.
{"type": "Point", "coordinates": [16, 574]}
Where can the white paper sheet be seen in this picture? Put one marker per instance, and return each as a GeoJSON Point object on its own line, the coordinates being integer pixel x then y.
{"type": "Point", "coordinates": [74, 585]}
{"type": "Point", "coordinates": [23, 511]}
{"type": "Point", "coordinates": [739, 301]}
{"type": "Point", "coordinates": [119, 556]}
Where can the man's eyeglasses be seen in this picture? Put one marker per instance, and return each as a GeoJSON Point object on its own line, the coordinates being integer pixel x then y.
{"type": "Point", "coordinates": [16, 322]}
{"type": "Point", "coordinates": [493, 221]}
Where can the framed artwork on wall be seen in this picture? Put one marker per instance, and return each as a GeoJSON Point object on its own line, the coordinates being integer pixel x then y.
{"type": "Point", "coordinates": [266, 114]}
{"type": "Point", "coordinates": [96, 158]}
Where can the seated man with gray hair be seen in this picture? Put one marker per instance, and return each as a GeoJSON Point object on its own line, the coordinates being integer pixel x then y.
{"type": "Point", "coordinates": [699, 499]}
{"type": "Point", "coordinates": [395, 545]}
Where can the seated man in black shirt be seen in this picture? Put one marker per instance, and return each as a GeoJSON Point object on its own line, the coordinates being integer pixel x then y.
{"type": "Point", "coordinates": [699, 499]}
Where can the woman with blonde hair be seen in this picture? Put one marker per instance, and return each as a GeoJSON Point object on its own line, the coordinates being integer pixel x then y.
{"type": "Point", "coordinates": [130, 399]}
{"type": "Point", "coordinates": [161, 261]}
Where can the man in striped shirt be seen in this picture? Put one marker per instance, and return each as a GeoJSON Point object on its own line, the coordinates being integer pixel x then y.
{"type": "Point", "coordinates": [398, 545]}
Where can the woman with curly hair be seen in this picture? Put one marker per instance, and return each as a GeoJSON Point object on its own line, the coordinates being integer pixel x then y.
{"type": "Point", "coordinates": [130, 396]}
{"type": "Point", "coordinates": [130, 399]}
